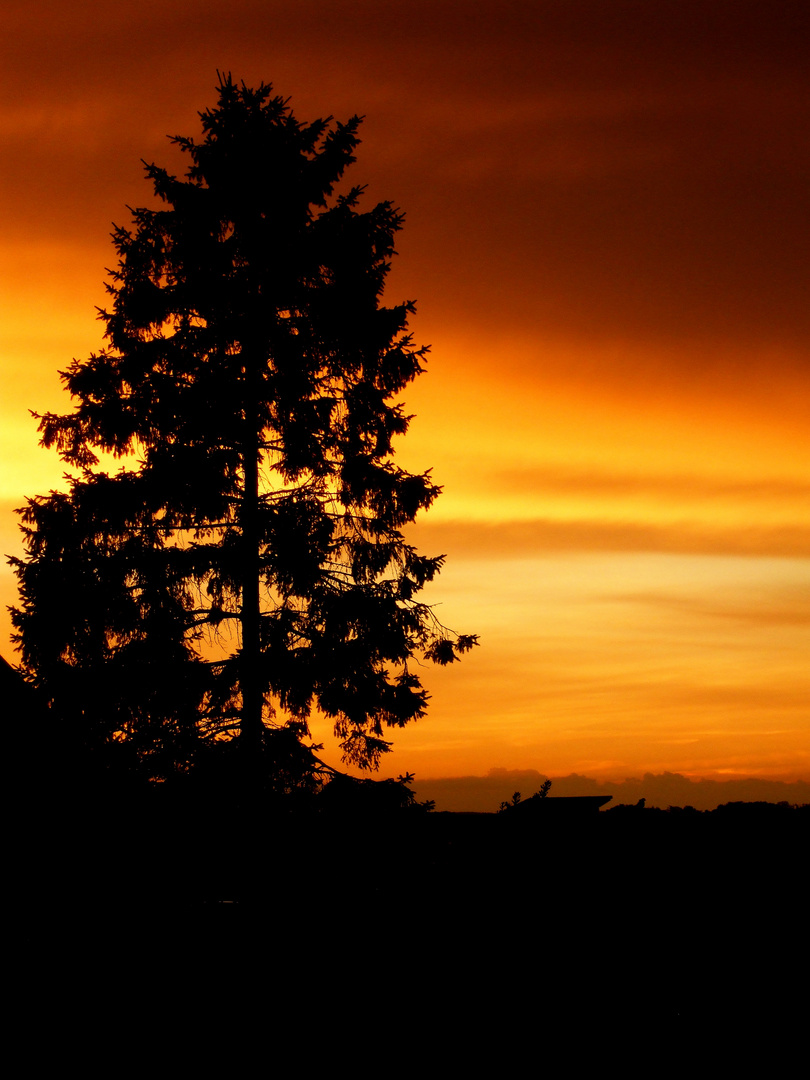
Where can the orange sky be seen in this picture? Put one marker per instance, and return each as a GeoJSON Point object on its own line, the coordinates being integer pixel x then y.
{"type": "Point", "coordinates": [606, 235]}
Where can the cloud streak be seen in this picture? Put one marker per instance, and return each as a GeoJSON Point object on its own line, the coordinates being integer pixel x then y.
{"type": "Point", "coordinates": [515, 539]}
{"type": "Point", "coordinates": [656, 485]}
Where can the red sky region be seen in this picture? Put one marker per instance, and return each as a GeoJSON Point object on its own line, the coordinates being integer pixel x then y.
{"type": "Point", "coordinates": [606, 236]}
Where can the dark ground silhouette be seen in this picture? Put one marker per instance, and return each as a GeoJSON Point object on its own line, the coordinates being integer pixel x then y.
{"type": "Point", "coordinates": [472, 937]}
{"type": "Point", "coordinates": [628, 920]}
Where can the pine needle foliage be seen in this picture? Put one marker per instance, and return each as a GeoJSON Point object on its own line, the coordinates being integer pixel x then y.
{"type": "Point", "coordinates": [246, 565]}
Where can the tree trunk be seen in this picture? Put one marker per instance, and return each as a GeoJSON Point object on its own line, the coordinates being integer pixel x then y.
{"type": "Point", "coordinates": [252, 696]}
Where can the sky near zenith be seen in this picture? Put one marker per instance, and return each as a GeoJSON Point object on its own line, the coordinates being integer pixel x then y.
{"type": "Point", "coordinates": [606, 238]}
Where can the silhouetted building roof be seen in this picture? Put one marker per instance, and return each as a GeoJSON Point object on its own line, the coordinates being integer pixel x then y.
{"type": "Point", "coordinates": [560, 805]}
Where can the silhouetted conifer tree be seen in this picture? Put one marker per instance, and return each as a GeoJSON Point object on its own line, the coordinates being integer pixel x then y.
{"type": "Point", "coordinates": [249, 384]}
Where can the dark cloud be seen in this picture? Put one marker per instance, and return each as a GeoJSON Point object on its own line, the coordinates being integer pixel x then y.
{"type": "Point", "coordinates": [536, 537]}
{"type": "Point", "coordinates": [581, 167]}
{"type": "Point", "coordinates": [562, 481]}
{"type": "Point", "coordinates": [485, 793]}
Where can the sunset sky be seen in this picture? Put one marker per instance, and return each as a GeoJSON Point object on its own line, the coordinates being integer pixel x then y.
{"type": "Point", "coordinates": [607, 240]}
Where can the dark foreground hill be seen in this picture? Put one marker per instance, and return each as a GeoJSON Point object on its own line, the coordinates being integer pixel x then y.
{"type": "Point", "coordinates": [362, 933]}
{"type": "Point", "coordinates": [445, 941]}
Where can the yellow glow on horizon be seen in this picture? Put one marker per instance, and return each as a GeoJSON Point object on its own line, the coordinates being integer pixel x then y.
{"type": "Point", "coordinates": [620, 664]}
